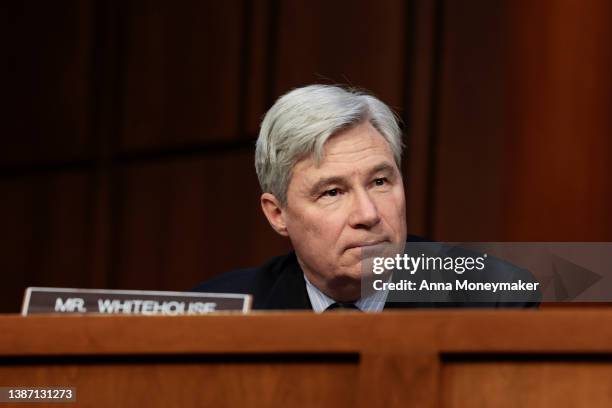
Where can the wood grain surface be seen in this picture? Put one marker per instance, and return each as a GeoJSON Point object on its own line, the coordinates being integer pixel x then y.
{"type": "Point", "coordinates": [556, 357]}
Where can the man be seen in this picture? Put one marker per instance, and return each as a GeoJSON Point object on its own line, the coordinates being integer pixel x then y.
{"type": "Point", "coordinates": [328, 161]}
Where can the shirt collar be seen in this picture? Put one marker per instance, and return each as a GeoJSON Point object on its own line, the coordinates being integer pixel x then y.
{"type": "Point", "coordinates": [374, 302]}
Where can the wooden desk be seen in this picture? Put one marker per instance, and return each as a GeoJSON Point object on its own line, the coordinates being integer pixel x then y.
{"type": "Point", "coordinates": [418, 358]}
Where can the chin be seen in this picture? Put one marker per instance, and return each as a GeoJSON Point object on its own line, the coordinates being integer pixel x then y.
{"type": "Point", "coordinates": [351, 273]}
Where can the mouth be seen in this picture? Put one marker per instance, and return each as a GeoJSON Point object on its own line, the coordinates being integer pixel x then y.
{"type": "Point", "coordinates": [365, 244]}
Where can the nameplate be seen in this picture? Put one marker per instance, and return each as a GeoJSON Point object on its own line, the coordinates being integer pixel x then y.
{"type": "Point", "coordinates": [130, 302]}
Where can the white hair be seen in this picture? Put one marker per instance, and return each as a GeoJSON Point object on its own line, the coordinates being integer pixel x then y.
{"type": "Point", "coordinates": [301, 121]}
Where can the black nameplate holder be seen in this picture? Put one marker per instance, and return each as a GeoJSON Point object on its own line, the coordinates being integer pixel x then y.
{"type": "Point", "coordinates": [130, 302]}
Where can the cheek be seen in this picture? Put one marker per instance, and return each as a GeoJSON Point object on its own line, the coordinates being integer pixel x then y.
{"type": "Point", "coordinates": [394, 208]}
{"type": "Point", "coordinates": [401, 206]}
{"type": "Point", "coordinates": [400, 200]}
{"type": "Point", "coordinates": [319, 230]}
{"type": "Point", "coordinates": [304, 226]}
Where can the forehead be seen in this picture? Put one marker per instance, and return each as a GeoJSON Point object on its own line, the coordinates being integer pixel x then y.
{"type": "Point", "coordinates": [353, 150]}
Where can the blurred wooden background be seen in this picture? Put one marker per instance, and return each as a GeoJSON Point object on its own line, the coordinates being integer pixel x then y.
{"type": "Point", "coordinates": [127, 132]}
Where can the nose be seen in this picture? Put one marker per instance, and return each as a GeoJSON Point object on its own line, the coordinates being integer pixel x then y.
{"type": "Point", "coordinates": [364, 213]}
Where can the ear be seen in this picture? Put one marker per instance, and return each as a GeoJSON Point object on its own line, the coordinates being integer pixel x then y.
{"type": "Point", "coordinates": [274, 213]}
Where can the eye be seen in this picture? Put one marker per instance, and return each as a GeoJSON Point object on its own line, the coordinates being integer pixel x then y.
{"type": "Point", "coordinates": [331, 193]}
{"type": "Point", "coordinates": [380, 181]}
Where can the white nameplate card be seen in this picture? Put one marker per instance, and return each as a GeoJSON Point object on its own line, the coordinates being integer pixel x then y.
{"type": "Point", "coordinates": [130, 302]}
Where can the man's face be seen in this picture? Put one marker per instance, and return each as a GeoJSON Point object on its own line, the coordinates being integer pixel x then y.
{"type": "Point", "coordinates": [352, 200]}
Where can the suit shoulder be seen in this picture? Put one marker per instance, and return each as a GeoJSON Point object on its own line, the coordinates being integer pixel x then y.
{"type": "Point", "coordinates": [247, 280]}
{"type": "Point", "coordinates": [236, 281]}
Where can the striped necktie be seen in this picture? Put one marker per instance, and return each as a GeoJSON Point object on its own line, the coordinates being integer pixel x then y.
{"type": "Point", "coordinates": [342, 307]}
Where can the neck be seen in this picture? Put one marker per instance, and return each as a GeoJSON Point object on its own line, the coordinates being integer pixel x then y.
{"type": "Point", "coordinates": [341, 289]}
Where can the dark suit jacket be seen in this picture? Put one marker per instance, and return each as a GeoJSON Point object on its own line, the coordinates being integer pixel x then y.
{"type": "Point", "coordinates": [279, 285]}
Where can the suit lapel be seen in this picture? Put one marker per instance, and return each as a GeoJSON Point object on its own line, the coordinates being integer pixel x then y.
{"type": "Point", "coordinates": [289, 290]}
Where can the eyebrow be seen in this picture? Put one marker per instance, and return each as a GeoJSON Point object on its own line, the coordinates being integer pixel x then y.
{"type": "Point", "coordinates": [382, 167]}
{"type": "Point", "coordinates": [325, 181]}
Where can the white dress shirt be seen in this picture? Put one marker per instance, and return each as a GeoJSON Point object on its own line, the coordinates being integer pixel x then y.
{"type": "Point", "coordinates": [375, 302]}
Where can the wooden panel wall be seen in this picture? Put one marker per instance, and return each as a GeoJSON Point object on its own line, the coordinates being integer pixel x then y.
{"type": "Point", "coordinates": [45, 81]}
{"type": "Point", "coordinates": [181, 76]}
{"type": "Point", "coordinates": [127, 160]}
{"type": "Point", "coordinates": [126, 148]}
{"type": "Point", "coordinates": [523, 147]}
